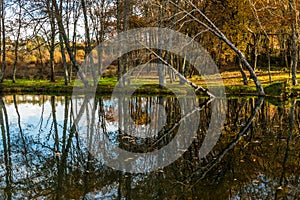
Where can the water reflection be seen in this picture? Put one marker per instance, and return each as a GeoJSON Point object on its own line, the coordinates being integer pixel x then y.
{"type": "Point", "coordinates": [44, 153]}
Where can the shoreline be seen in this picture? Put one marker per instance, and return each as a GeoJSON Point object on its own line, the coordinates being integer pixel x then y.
{"type": "Point", "coordinates": [57, 89]}
{"type": "Point", "coordinates": [279, 88]}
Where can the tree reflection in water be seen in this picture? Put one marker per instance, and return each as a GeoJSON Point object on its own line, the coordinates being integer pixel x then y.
{"type": "Point", "coordinates": [43, 154]}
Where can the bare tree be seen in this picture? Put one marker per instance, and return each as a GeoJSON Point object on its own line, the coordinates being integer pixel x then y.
{"type": "Point", "coordinates": [208, 24]}
{"type": "Point", "coordinates": [62, 31]}
{"type": "Point", "coordinates": [100, 16]}
{"type": "Point", "coordinates": [267, 39]}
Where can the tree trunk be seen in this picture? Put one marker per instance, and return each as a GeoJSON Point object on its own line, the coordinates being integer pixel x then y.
{"type": "Point", "coordinates": [119, 30]}
{"type": "Point", "coordinates": [259, 87]}
{"type": "Point", "coordinates": [76, 16]}
{"type": "Point", "coordinates": [3, 66]}
{"type": "Point", "coordinates": [269, 61]}
{"type": "Point", "coordinates": [256, 43]}
{"type": "Point", "coordinates": [245, 79]}
{"type": "Point", "coordinates": [294, 62]}
{"type": "Point", "coordinates": [181, 66]}
{"type": "Point", "coordinates": [101, 37]}
{"type": "Point", "coordinates": [17, 43]}
{"type": "Point", "coordinates": [64, 60]}
{"type": "Point", "coordinates": [88, 41]}
{"type": "Point", "coordinates": [58, 17]}
{"type": "Point", "coordinates": [50, 10]}
{"type": "Point", "coordinates": [126, 15]}
{"type": "Point", "coordinates": [160, 67]}
{"type": "Point", "coordinates": [40, 59]}
{"type": "Point", "coordinates": [74, 49]}
{"type": "Point", "coordinates": [62, 49]}
{"type": "Point", "coordinates": [52, 43]}
{"type": "Point", "coordinates": [286, 60]}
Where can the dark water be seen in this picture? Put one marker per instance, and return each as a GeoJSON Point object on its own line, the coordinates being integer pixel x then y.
{"type": "Point", "coordinates": [45, 150]}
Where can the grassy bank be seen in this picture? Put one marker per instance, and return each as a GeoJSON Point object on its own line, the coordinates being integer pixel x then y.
{"type": "Point", "coordinates": [279, 87]}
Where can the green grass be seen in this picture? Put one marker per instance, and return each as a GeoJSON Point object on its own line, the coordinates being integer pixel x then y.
{"type": "Point", "coordinates": [280, 85]}
{"type": "Point", "coordinates": [34, 86]}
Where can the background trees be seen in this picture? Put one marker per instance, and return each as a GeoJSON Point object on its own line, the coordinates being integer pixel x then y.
{"type": "Point", "coordinates": [265, 33]}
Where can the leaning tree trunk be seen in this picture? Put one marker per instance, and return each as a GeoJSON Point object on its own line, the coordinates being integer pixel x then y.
{"type": "Point", "coordinates": [216, 31]}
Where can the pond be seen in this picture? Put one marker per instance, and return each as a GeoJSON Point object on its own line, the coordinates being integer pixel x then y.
{"type": "Point", "coordinates": [59, 147]}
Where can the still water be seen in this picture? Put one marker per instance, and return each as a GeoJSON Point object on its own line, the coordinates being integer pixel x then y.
{"type": "Point", "coordinates": [50, 148]}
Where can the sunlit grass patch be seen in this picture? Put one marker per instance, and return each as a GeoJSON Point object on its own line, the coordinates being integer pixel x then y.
{"type": "Point", "coordinates": [232, 81]}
